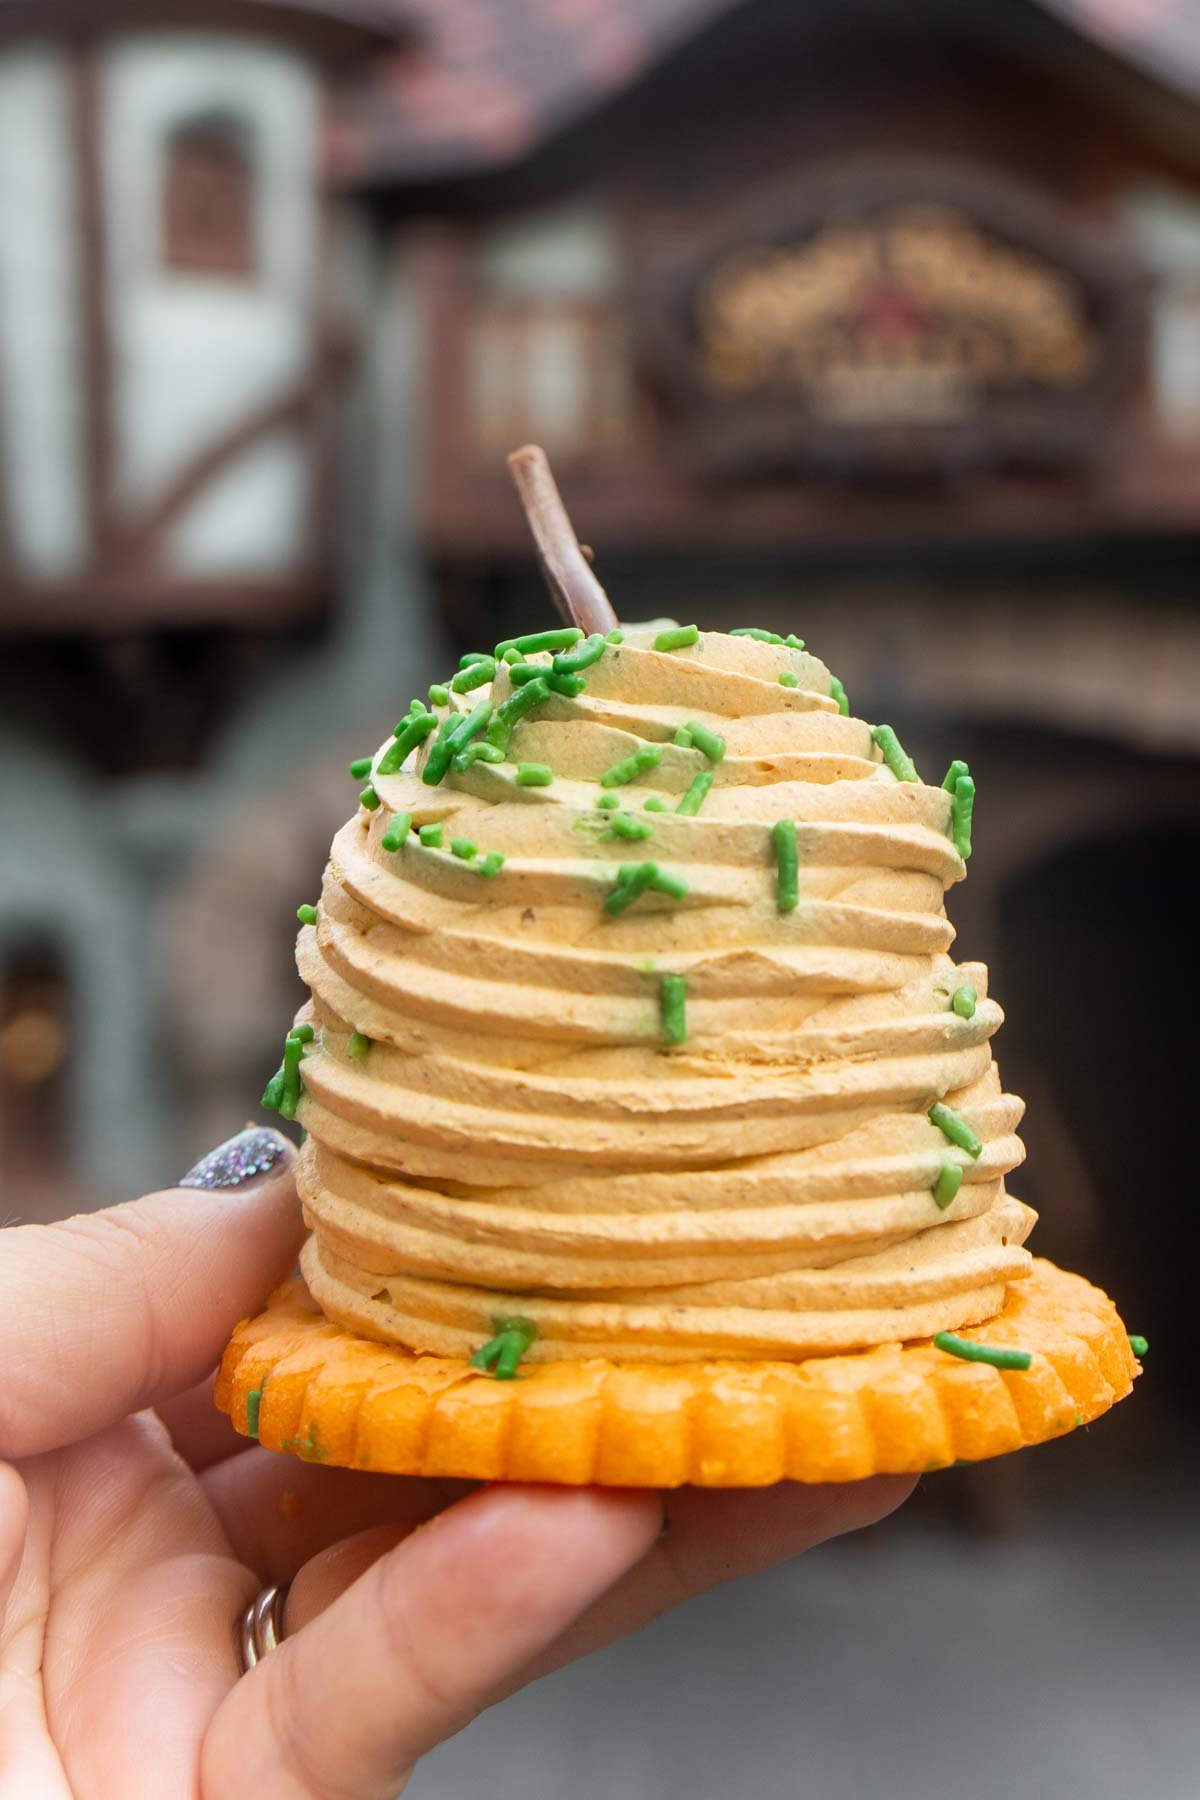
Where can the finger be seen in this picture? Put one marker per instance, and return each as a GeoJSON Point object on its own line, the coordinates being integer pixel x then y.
{"type": "Point", "coordinates": [111, 1312]}
{"type": "Point", "coordinates": [714, 1535]}
{"type": "Point", "coordinates": [710, 1536]}
{"type": "Point", "coordinates": [138, 1647]}
{"type": "Point", "coordinates": [327, 1576]}
{"type": "Point", "coordinates": [278, 1512]}
{"type": "Point", "coordinates": [420, 1642]}
{"type": "Point", "coordinates": [202, 1435]}
{"type": "Point", "coordinates": [14, 1513]}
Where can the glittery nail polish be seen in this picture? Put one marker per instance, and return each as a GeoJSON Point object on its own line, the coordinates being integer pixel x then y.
{"type": "Point", "coordinates": [253, 1152]}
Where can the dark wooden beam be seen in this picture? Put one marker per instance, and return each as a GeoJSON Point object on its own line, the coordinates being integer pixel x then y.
{"type": "Point", "coordinates": [109, 604]}
{"type": "Point", "coordinates": [340, 30]}
{"type": "Point", "coordinates": [99, 435]}
{"type": "Point", "coordinates": [139, 538]}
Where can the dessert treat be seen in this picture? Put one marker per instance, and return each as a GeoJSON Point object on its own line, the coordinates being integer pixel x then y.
{"type": "Point", "coordinates": [654, 1135]}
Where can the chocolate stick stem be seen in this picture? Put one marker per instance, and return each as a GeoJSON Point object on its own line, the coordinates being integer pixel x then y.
{"type": "Point", "coordinates": [573, 587]}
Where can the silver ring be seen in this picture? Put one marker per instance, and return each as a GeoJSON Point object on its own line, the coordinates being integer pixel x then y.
{"type": "Point", "coordinates": [260, 1628]}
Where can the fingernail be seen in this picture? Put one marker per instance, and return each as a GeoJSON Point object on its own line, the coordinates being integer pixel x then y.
{"type": "Point", "coordinates": [253, 1152]}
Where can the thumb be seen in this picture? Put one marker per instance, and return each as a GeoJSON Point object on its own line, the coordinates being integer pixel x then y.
{"type": "Point", "coordinates": [113, 1311]}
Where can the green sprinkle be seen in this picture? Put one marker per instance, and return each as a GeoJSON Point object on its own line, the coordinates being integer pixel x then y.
{"type": "Point", "coordinates": [441, 751]}
{"type": "Point", "coordinates": [951, 1125]}
{"type": "Point", "coordinates": [475, 656]}
{"type": "Point", "coordinates": [706, 741]}
{"type": "Point", "coordinates": [476, 674]}
{"type": "Point", "coordinates": [293, 1056]}
{"type": "Point", "coordinates": [502, 1355]}
{"type": "Point", "coordinates": [962, 808]}
{"type": "Point", "coordinates": [396, 835]}
{"type": "Point", "coordinates": [946, 1187]}
{"type": "Point", "coordinates": [683, 738]}
{"type": "Point", "coordinates": [839, 694]}
{"type": "Point", "coordinates": [680, 637]}
{"type": "Point", "coordinates": [608, 801]}
{"type": "Point", "coordinates": [463, 848]}
{"type": "Point", "coordinates": [520, 673]}
{"type": "Point", "coordinates": [560, 639]}
{"type": "Point", "coordinates": [970, 1351]}
{"type": "Point", "coordinates": [787, 679]}
{"type": "Point", "coordinates": [307, 915]}
{"type": "Point", "coordinates": [475, 723]}
{"type": "Point", "coordinates": [408, 734]}
{"type": "Point", "coordinates": [570, 685]}
{"type": "Point", "coordinates": [954, 774]}
{"type": "Point", "coordinates": [462, 760]}
{"type": "Point", "coordinates": [369, 798]}
{"type": "Point", "coordinates": [357, 1045]}
{"type": "Point", "coordinates": [361, 768]}
{"type": "Point", "coordinates": [894, 755]}
{"type": "Point", "coordinates": [696, 795]}
{"type": "Point", "coordinates": [793, 642]}
{"type": "Point", "coordinates": [640, 763]}
{"type": "Point", "coordinates": [511, 655]}
{"type": "Point", "coordinates": [439, 695]}
{"type": "Point", "coordinates": [614, 637]}
{"type": "Point", "coordinates": [514, 709]}
{"type": "Point", "coordinates": [1138, 1344]}
{"type": "Point", "coordinates": [431, 836]}
{"type": "Point", "coordinates": [624, 825]}
{"type": "Point", "coordinates": [491, 865]}
{"type": "Point", "coordinates": [273, 1092]}
{"type": "Point", "coordinates": [416, 708]}
{"type": "Point", "coordinates": [305, 1033]}
{"type": "Point", "coordinates": [253, 1405]}
{"type": "Point", "coordinates": [573, 662]}
{"type": "Point", "coordinates": [655, 803]}
{"type": "Point", "coordinates": [964, 1001]}
{"type": "Point", "coordinates": [456, 733]}
{"type": "Point", "coordinates": [787, 864]}
{"type": "Point", "coordinates": [674, 1008]}
{"type": "Point", "coordinates": [534, 774]}
{"type": "Point", "coordinates": [634, 879]}
{"type": "Point", "coordinates": [630, 884]}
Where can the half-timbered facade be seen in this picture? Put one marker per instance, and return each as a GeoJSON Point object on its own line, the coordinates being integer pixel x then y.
{"type": "Point", "coordinates": [170, 343]}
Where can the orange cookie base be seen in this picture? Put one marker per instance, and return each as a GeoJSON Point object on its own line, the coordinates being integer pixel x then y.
{"type": "Point", "coordinates": [330, 1396]}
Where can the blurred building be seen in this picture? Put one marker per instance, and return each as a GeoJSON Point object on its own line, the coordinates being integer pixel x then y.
{"type": "Point", "coordinates": [877, 323]}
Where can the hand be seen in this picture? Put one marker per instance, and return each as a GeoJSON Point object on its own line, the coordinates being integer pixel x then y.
{"type": "Point", "coordinates": [135, 1527]}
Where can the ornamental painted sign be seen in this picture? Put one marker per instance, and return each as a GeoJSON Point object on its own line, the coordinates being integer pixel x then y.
{"type": "Point", "coordinates": [895, 320]}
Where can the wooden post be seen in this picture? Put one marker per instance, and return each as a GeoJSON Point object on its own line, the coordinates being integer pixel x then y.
{"type": "Point", "coordinates": [97, 346]}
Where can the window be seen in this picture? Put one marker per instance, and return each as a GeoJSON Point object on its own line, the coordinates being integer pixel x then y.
{"type": "Point", "coordinates": [208, 201]}
{"type": "Point", "coordinates": [549, 355]}
{"type": "Point", "coordinates": [1164, 224]}
{"type": "Point", "coordinates": [560, 374]}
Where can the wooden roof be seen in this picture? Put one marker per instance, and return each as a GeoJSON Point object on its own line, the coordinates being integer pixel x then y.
{"type": "Point", "coordinates": [485, 83]}
{"type": "Point", "coordinates": [329, 27]}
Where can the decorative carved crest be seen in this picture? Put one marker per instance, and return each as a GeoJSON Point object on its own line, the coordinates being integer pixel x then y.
{"type": "Point", "coordinates": [899, 320]}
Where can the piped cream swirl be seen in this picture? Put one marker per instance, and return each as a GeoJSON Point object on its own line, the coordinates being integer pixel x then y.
{"type": "Point", "coordinates": [521, 1138]}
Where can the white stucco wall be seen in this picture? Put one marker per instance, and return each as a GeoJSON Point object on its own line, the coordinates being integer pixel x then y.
{"type": "Point", "coordinates": [41, 395]}
{"type": "Point", "coordinates": [194, 356]}
{"type": "Point", "coordinates": [250, 517]}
